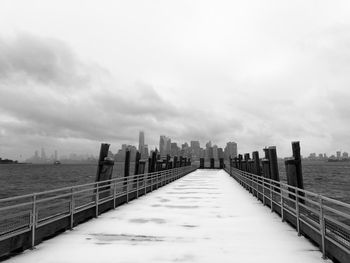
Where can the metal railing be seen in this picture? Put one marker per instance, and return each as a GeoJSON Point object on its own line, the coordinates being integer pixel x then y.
{"type": "Point", "coordinates": [328, 219]}
{"type": "Point", "coordinates": [27, 213]}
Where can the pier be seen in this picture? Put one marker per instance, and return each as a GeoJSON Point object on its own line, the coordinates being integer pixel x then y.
{"type": "Point", "coordinates": [202, 217]}
{"type": "Point", "coordinates": [178, 212]}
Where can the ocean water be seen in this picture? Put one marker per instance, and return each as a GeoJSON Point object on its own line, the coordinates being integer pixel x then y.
{"type": "Point", "coordinates": [328, 179]}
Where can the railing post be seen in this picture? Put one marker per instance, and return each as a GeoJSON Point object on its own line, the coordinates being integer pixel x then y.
{"type": "Point", "coordinates": [282, 206]}
{"type": "Point", "coordinates": [322, 228]}
{"type": "Point", "coordinates": [72, 207]}
{"type": "Point", "coordinates": [263, 191]}
{"type": "Point", "coordinates": [114, 194]}
{"type": "Point", "coordinates": [297, 212]}
{"type": "Point", "coordinates": [33, 220]}
{"type": "Point", "coordinates": [271, 202]}
{"type": "Point", "coordinates": [137, 186]}
{"type": "Point", "coordinates": [97, 197]}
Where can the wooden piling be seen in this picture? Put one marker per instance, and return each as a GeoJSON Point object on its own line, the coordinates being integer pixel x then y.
{"type": "Point", "coordinates": [149, 164]}
{"type": "Point", "coordinates": [212, 163]}
{"type": "Point", "coordinates": [266, 168]}
{"type": "Point", "coordinates": [181, 160]}
{"type": "Point", "coordinates": [273, 163]}
{"type": "Point", "coordinates": [167, 162]}
{"type": "Point", "coordinates": [137, 162]}
{"type": "Point", "coordinates": [201, 163]}
{"type": "Point", "coordinates": [159, 165]}
{"type": "Point", "coordinates": [221, 163]}
{"type": "Point", "coordinates": [257, 167]}
{"type": "Point", "coordinates": [235, 162]}
{"type": "Point", "coordinates": [126, 167]}
{"type": "Point", "coordinates": [104, 170]}
{"type": "Point", "coordinates": [153, 161]}
{"type": "Point", "coordinates": [240, 157]}
{"type": "Point", "coordinates": [297, 158]}
{"type": "Point", "coordinates": [291, 173]}
{"type": "Point", "coordinates": [294, 171]}
{"type": "Point", "coordinates": [266, 153]}
{"type": "Point", "coordinates": [103, 154]}
{"type": "Point", "coordinates": [175, 162]}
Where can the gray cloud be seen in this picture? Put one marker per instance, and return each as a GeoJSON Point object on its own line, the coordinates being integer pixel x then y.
{"type": "Point", "coordinates": [47, 92]}
{"type": "Point", "coordinates": [50, 96]}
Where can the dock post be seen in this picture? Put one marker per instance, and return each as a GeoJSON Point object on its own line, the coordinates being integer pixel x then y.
{"type": "Point", "coordinates": [221, 163]}
{"type": "Point", "coordinates": [153, 162]}
{"type": "Point", "coordinates": [103, 154]}
{"type": "Point", "coordinates": [291, 175]}
{"type": "Point", "coordinates": [127, 173]}
{"type": "Point", "coordinates": [167, 162]}
{"type": "Point", "coordinates": [297, 157]}
{"type": "Point", "coordinates": [175, 162]}
{"type": "Point", "coordinates": [104, 169]}
{"type": "Point", "coordinates": [266, 175]}
{"type": "Point", "coordinates": [136, 172]}
{"type": "Point", "coordinates": [273, 163]}
{"type": "Point", "coordinates": [257, 168]}
{"type": "Point", "coordinates": [240, 157]}
{"type": "Point", "coordinates": [137, 162]}
{"type": "Point", "coordinates": [201, 163]}
{"type": "Point", "coordinates": [149, 164]}
{"type": "Point", "coordinates": [141, 171]}
{"type": "Point", "coordinates": [294, 172]}
{"type": "Point", "coordinates": [212, 163]}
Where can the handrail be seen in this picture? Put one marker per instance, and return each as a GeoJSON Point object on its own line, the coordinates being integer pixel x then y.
{"type": "Point", "coordinates": [332, 216]}
{"type": "Point", "coordinates": [48, 206]}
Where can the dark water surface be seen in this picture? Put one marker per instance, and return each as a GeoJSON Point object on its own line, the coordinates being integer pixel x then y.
{"type": "Point", "coordinates": [329, 179]}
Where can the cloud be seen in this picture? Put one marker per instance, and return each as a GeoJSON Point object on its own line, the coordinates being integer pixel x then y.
{"type": "Point", "coordinates": [48, 94]}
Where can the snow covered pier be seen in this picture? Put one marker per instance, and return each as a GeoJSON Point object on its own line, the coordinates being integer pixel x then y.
{"type": "Point", "coordinates": [205, 216]}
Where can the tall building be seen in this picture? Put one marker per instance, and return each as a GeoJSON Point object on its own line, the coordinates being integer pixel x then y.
{"type": "Point", "coordinates": [174, 151]}
{"type": "Point", "coordinates": [195, 149]}
{"type": "Point", "coordinates": [338, 154]}
{"type": "Point", "coordinates": [220, 153]}
{"type": "Point", "coordinates": [145, 152]}
{"type": "Point", "coordinates": [208, 152]}
{"type": "Point", "coordinates": [141, 141]}
{"type": "Point", "coordinates": [164, 145]}
{"type": "Point", "coordinates": [215, 151]}
{"type": "Point", "coordinates": [230, 150]}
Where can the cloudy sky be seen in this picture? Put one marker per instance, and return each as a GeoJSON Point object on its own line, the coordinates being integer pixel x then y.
{"type": "Point", "coordinates": [77, 73]}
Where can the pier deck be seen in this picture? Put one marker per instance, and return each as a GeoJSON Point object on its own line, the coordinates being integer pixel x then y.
{"type": "Point", "coordinates": [205, 216]}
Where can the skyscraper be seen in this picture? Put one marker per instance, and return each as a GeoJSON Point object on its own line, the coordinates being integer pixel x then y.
{"type": "Point", "coordinates": [163, 145]}
{"type": "Point", "coordinates": [141, 141]}
{"type": "Point", "coordinates": [195, 148]}
{"type": "Point", "coordinates": [230, 150]}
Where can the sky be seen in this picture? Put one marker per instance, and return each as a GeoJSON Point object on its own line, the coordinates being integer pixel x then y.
{"type": "Point", "coordinates": [74, 74]}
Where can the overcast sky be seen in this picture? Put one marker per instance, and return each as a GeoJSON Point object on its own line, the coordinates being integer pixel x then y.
{"type": "Point", "coordinates": [74, 74]}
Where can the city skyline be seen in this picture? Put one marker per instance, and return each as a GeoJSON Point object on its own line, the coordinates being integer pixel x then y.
{"type": "Point", "coordinates": [81, 155]}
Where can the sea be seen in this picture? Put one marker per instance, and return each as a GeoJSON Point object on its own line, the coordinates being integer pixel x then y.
{"type": "Point", "coordinates": [331, 179]}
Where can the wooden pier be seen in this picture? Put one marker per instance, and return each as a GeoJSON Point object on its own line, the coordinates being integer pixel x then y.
{"type": "Point", "coordinates": [222, 220]}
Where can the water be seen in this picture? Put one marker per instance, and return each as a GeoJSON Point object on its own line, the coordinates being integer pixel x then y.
{"type": "Point", "coordinates": [328, 179]}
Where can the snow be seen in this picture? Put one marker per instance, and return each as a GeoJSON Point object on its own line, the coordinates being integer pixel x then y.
{"type": "Point", "coordinates": [205, 216]}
